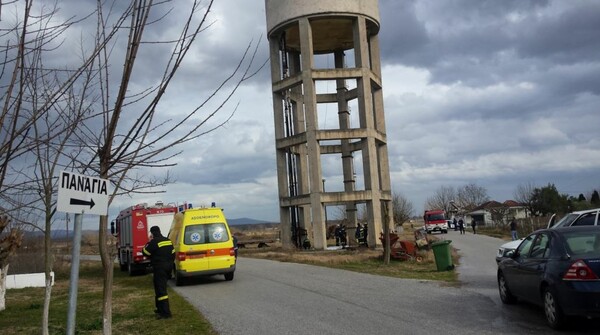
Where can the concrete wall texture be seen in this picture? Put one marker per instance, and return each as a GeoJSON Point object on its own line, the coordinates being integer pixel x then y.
{"type": "Point", "coordinates": [280, 11]}
{"type": "Point", "coordinates": [27, 280]}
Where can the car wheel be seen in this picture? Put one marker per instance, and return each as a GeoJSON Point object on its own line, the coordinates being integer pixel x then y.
{"type": "Point", "coordinates": [505, 295]}
{"type": "Point", "coordinates": [178, 279]}
{"type": "Point", "coordinates": [554, 315]}
{"type": "Point", "coordinates": [229, 276]}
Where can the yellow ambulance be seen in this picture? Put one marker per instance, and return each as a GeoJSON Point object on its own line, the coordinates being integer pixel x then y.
{"type": "Point", "coordinates": [203, 244]}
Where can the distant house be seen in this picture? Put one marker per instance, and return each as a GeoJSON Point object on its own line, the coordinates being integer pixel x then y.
{"type": "Point", "coordinates": [494, 213]}
{"type": "Point", "coordinates": [517, 210]}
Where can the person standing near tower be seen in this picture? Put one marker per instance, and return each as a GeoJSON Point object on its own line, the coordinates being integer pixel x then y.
{"type": "Point", "coordinates": [162, 254]}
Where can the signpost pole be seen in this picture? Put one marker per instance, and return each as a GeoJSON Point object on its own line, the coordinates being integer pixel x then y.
{"type": "Point", "coordinates": [76, 194]}
{"type": "Point", "coordinates": [75, 255]}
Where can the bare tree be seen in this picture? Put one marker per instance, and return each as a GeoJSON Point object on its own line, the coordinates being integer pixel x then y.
{"type": "Point", "coordinates": [30, 93]}
{"type": "Point", "coordinates": [500, 214]}
{"type": "Point", "coordinates": [471, 195]}
{"type": "Point", "coordinates": [442, 199]}
{"type": "Point", "coordinates": [12, 139]}
{"type": "Point", "coordinates": [132, 135]}
{"type": "Point", "coordinates": [112, 146]}
{"type": "Point", "coordinates": [524, 195]}
{"type": "Point", "coordinates": [52, 132]}
{"type": "Point", "coordinates": [402, 208]}
{"type": "Point", "coordinates": [55, 129]}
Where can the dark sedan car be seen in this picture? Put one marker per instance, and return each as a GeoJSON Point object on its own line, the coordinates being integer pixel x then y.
{"type": "Point", "coordinates": [555, 268]}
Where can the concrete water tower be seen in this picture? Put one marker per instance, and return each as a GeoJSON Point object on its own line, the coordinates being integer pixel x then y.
{"type": "Point", "coordinates": [325, 59]}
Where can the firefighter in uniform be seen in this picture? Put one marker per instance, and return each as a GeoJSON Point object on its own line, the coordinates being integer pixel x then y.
{"type": "Point", "coordinates": [161, 253]}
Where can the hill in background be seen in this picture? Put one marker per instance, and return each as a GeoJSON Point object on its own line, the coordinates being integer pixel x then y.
{"type": "Point", "coordinates": [242, 223]}
{"type": "Point", "coordinates": [246, 221]}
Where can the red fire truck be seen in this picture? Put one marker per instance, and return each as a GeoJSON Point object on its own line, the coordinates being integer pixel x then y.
{"type": "Point", "coordinates": [435, 220]}
{"type": "Point", "coordinates": [132, 229]}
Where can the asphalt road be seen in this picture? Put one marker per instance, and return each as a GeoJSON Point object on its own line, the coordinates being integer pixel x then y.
{"type": "Point", "coordinates": [268, 297]}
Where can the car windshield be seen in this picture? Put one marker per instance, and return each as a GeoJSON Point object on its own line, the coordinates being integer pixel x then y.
{"type": "Point", "coordinates": [205, 233]}
{"type": "Point", "coordinates": [435, 217]}
{"type": "Point", "coordinates": [566, 220]}
{"type": "Point", "coordinates": [583, 243]}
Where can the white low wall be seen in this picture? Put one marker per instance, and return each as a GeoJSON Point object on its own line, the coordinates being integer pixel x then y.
{"type": "Point", "coordinates": [27, 280]}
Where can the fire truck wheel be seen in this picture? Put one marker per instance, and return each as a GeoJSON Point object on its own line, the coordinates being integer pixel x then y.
{"type": "Point", "coordinates": [131, 269]}
{"type": "Point", "coordinates": [122, 265]}
{"type": "Point", "coordinates": [229, 276]}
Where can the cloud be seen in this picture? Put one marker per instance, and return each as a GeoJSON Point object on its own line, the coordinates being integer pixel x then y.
{"type": "Point", "coordinates": [489, 92]}
{"type": "Point", "coordinates": [474, 92]}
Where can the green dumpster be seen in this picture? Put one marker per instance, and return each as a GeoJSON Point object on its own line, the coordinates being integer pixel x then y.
{"type": "Point", "coordinates": [442, 254]}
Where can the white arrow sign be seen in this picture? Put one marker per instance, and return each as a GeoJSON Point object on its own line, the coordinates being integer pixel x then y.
{"type": "Point", "coordinates": [77, 193]}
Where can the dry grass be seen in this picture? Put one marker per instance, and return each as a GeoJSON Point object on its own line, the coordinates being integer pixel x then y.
{"type": "Point", "coordinates": [360, 260]}
{"type": "Point", "coordinates": [255, 234]}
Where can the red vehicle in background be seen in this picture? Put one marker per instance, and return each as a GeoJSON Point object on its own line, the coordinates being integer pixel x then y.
{"type": "Point", "coordinates": [132, 230]}
{"type": "Point", "coordinates": [435, 220]}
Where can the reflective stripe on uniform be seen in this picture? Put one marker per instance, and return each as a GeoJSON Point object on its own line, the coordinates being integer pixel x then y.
{"type": "Point", "coordinates": [165, 243]}
{"type": "Point", "coordinates": [146, 252]}
{"type": "Point", "coordinates": [164, 297]}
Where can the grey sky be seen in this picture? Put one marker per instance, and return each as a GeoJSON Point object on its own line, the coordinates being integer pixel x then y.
{"type": "Point", "coordinates": [495, 93]}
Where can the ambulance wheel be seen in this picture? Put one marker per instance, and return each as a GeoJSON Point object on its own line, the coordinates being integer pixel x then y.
{"type": "Point", "coordinates": [229, 276]}
{"type": "Point", "coordinates": [178, 279]}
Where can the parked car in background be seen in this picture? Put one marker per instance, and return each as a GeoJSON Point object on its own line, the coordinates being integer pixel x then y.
{"type": "Point", "coordinates": [590, 217]}
{"type": "Point", "coordinates": [580, 218]}
{"type": "Point", "coordinates": [555, 268]}
{"type": "Point", "coordinates": [450, 224]}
